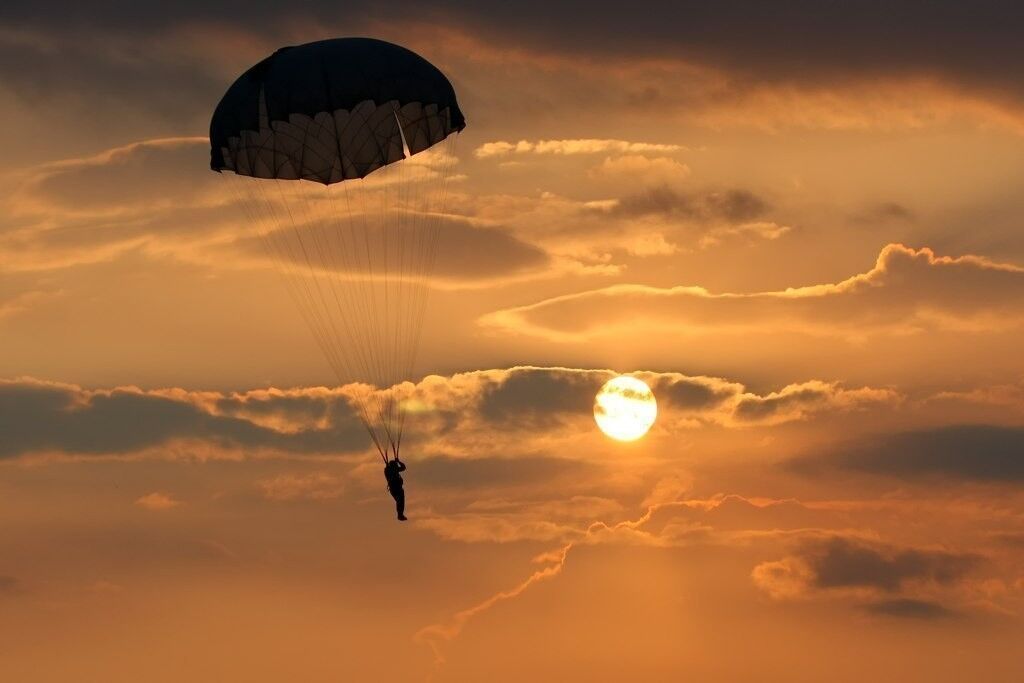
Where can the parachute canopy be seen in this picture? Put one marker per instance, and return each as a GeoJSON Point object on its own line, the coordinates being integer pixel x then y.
{"type": "Point", "coordinates": [330, 111]}
{"type": "Point", "coordinates": [357, 255]}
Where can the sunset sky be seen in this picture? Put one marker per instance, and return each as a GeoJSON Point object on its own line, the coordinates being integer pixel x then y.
{"type": "Point", "coordinates": [799, 223]}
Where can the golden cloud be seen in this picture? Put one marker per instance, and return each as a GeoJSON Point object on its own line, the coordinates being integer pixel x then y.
{"type": "Point", "coordinates": [157, 501]}
{"type": "Point", "coordinates": [570, 147]}
{"type": "Point", "coordinates": [637, 168]}
{"type": "Point", "coordinates": [458, 415]}
{"type": "Point", "coordinates": [907, 291]}
{"type": "Point", "coordinates": [159, 196]}
{"type": "Point", "coordinates": [308, 486]}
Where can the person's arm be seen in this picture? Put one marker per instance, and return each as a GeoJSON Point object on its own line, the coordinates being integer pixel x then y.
{"type": "Point", "coordinates": [401, 465]}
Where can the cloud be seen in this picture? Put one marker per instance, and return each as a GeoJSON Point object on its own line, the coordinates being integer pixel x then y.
{"type": "Point", "coordinates": [147, 175]}
{"type": "Point", "coordinates": [691, 393]}
{"type": "Point", "coordinates": [538, 398]}
{"type": "Point", "coordinates": [458, 251]}
{"type": "Point", "coordinates": [730, 404]}
{"type": "Point", "coordinates": [907, 291]}
{"type": "Point", "coordinates": [885, 579]}
{"type": "Point", "coordinates": [668, 490]}
{"type": "Point", "coordinates": [667, 522]}
{"type": "Point", "coordinates": [797, 401]}
{"type": "Point", "coordinates": [157, 501]}
{"type": "Point", "coordinates": [733, 205]}
{"type": "Point", "coordinates": [156, 194]}
{"type": "Point", "coordinates": [45, 417]}
{"type": "Point", "coordinates": [627, 206]}
{"type": "Point", "coordinates": [986, 453]}
{"type": "Point", "coordinates": [571, 147]}
{"type": "Point", "coordinates": [159, 195]}
{"type": "Point", "coordinates": [318, 486]}
{"type": "Point", "coordinates": [840, 34]}
{"type": "Point", "coordinates": [18, 302]}
{"type": "Point", "coordinates": [435, 635]}
{"type": "Point", "coordinates": [884, 213]}
{"type": "Point", "coordinates": [457, 419]}
{"type": "Point", "coordinates": [166, 70]}
{"type": "Point", "coordinates": [845, 563]}
{"type": "Point", "coordinates": [288, 411]}
{"type": "Point", "coordinates": [542, 395]}
{"type": "Point", "coordinates": [749, 232]}
{"type": "Point", "coordinates": [633, 168]}
{"type": "Point", "coordinates": [810, 44]}
{"type": "Point", "coordinates": [592, 236]}
{"type": "Point", "coordinates": [1010, 395]}
{"type": "Point", "coordinates": [152, 73]}
{"type": "Point", "coordinates": [553, 562]}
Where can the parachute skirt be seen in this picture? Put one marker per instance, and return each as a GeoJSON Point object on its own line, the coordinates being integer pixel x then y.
{"type": "Point", "coordinates": [330, 147]}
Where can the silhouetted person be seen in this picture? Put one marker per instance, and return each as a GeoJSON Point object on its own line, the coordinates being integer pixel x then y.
{"type": "Point", "coordinates": [392, 473]}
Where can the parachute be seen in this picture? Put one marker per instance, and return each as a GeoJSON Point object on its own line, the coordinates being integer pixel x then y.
{"type": "Point", "coordinates": [297, 138]}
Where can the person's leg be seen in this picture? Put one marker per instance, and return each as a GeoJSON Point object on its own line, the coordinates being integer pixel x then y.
{"type": "Point", "coordinates": [400, 503]}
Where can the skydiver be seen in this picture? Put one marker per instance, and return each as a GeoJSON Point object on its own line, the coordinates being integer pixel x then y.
{"type": "Point", "coordinates": [392, 474]}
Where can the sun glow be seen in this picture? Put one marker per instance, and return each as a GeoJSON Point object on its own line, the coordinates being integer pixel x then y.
{"type": "Point", "coordinates": [625, 408]}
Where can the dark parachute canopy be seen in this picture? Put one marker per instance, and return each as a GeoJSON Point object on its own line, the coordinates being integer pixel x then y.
{"type": "Point", "coordinates": [356, 250]}
{"type": "Point", "coordinates": [331, 110]}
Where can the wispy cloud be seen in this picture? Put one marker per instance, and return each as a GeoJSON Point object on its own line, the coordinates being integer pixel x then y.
{"type": "Point", "coordinates": [157, 501]}
{"type": "Point", "coordinates": [908, 290]}
{"type": "Point", "coordinates": [567, 147]}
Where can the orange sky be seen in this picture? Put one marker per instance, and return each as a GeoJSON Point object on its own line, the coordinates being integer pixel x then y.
{"type": "Point", "coordinates": [802, 230]}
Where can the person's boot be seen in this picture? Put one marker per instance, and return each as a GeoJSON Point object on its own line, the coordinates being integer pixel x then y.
{"type": "Point", "coordinates": [402, 518]}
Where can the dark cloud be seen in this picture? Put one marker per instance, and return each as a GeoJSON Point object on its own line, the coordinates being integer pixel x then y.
{"type": "Point", "coordinates": [805, 39]}
{"type": "Point", "coordinates": [846, 563]}
{"type": "Point", "coordinates": [785, 41]}
{"type": "Point", "coordinates": [659, 200]}
{"type": "Point", "coordinates": [43, 417]}
{"type": "Point", "coordinates": [301, 408]}
{"type": "Point", "coordinates": [884, 579]}
{"type": "Point", "coordinates": [885, 212]}
{"type": "Point", "coordinates": [542, 395]}
{"type": "Point", "coordinates": [974, 452]}
{"type": "Point", "coordinates": [692, 393]}
{"type": "Point", "coordinates": [140, 175]}
{"type": "Point", "coordinates": [755, 408]}
{"type": "Point", "coordinates": [463, 251]}
{"type": "Point", "coordinates": [734, 205]}
{"type": "Point", "coordinates": [78, 71]}
{"type": "Point", "coordinates": [909, 608]}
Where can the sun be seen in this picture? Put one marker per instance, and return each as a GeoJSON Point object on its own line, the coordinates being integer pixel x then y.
{"type": "Point", "coordinates": [625, 408]}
